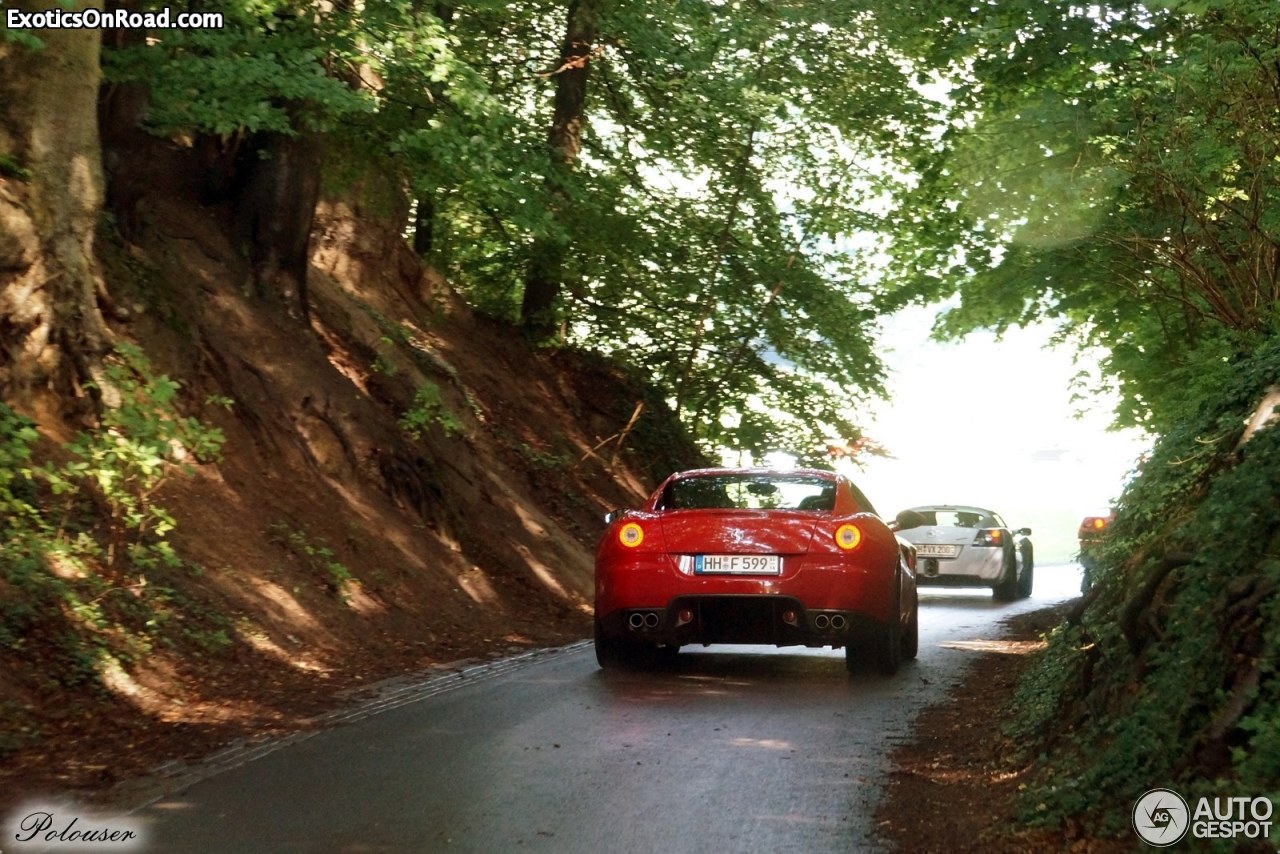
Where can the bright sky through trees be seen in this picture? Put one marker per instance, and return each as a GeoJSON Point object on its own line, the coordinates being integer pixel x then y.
{"type": "Point", "coordinates": [991, 422]}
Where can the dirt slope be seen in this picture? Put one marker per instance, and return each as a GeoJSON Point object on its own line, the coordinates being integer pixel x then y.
{"type": "Point", "coordinates": [331, 546]}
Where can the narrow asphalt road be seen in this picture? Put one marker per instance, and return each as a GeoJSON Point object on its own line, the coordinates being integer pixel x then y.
{"type": "Point", "coordinates": [730, 749]}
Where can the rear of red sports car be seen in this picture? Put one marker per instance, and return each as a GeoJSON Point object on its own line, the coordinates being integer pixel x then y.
{"type": "Point", "coordinates": [754, 556]}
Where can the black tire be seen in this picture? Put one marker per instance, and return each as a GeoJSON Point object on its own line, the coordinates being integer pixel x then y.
{"type": "Point", "coordinates": [911, 636]}
{"type": "Point", "coordinates": [889, 648]}
{"type": "Point", "coordinates": [1006, 589]}
{"type": "Point", "coordinates": [888, 639]}
{"type": "Point", "coordinates": [1027, 580]}
{"type": "Point", "coordinates": [612, 653]}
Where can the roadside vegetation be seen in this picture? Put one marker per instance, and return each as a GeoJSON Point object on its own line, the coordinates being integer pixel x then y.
{"type": "Point", "coordinates": [1165, 673]}
{"type": "Point", "coordinates": [83, 535]}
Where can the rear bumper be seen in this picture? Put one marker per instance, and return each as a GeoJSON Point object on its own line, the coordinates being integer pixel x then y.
{"type": "Point", "coordinates": [974, 569]}
{"type": "Point", "coordinates": [742, 618]}
{"type": "Point", "coordinates": [941, 580]}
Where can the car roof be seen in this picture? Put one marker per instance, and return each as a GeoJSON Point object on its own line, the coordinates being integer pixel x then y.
{"type": "Point", "coordinates": [963, 508]}
{"type": "Point", "coordinates": [763, 471]}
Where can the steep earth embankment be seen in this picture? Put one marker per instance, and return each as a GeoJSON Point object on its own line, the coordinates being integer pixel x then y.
{"type": "Point", "coordinates": [402, 485]}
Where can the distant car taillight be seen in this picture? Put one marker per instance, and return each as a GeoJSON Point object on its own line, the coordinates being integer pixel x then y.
{"type": "Point", "coordinates": [1094, 527]}
{"type": "Point", "coordinates": [989, 537]}
{"type": "Point", "coordinates": [631, 535]}
{"type": "Point", "coordinates": [848, 537]}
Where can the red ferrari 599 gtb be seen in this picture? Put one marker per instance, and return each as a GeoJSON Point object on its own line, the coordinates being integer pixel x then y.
{"type": "Point", "coordinates": [755, 556]}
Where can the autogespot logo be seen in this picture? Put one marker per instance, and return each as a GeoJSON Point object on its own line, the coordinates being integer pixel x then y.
{"type": "Point", "coordinates": [1161, 817]}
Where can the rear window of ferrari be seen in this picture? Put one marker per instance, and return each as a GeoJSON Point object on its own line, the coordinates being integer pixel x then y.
{"type": "Point", "coordinates": [749, 492]}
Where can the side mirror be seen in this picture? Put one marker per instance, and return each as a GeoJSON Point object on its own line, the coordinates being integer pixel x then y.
{"type": "Point", "coordinates": [1026, 532]}
{"type": "Point", "coordinates": [612, 515]}
{"type": "Point", "coordinates": [908, 519]}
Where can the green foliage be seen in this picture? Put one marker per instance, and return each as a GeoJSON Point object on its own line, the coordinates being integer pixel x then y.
{"type": "Point", "coordinates": [17, 436]}
{"type": "Point", "coordinates": [266, 70]}
{"type": "Point", "coordinates": [724, 167]}
{"type": "Point", "coordinates": [731, 157]}
{"type": "Point", "coordinates": [11, 167]}
{"type": "Point", "coordinates": [83, 543]}
{"type": "Point", "coordinates": [315, 555]}
{"type": "Point", "coordinates": [140, 441]}
{"type": "Point", "coordinates": [429, 409]}
{"type": "Point", "coordinates": [544, 460]}
{"type": "Point", "coordinates": [381, 364]}
{"type": "Point", "coordinates": [21, 38]}
{"type": "Point", "coordinates": [1114, 167]}
{"type": "Point", "coordinates": [727, 155]}
{"type": "Point", "coordinates": [1044, 690]}
{"type": "Point", "coordinates": [1167, 678]}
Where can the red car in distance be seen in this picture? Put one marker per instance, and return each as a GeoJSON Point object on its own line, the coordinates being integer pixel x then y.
{"type": "Point", "coordinates": [755, 556]}
{"type": "Point", "coordinates": [1091, 533]}
{"type": "Point", "coordinates": [1092, 528]}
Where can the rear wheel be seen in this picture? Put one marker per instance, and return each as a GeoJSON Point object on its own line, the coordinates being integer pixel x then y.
{"type": "Point", "coordinates": [911, 636]}
{"type": "Point", "coordinates": [888, 655]}
{"type": "Point", "coordinates": [889, 640]}
{"type": "Point", "coordinates": [887, 646]}
{"type": "Point", "coordinates": [612, 653]}
{"type": "Point", "coordinates": [852, 662]}
{"type": "Point", "coordinates": [1006, 589]}
{"type": "Point", "coordinates": [1027, 580]}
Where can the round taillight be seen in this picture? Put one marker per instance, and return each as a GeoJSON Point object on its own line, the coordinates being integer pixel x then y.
{"type": "Point", "coordinates": [1099, 524]}
{"type": "Point", "coordinates": [631, 535]}
{"type": "Point", "coordinates": [848, 537]}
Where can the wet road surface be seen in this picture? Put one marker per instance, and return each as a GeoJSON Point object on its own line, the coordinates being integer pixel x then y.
{"type": "Point", "coordinates": [730, 749]}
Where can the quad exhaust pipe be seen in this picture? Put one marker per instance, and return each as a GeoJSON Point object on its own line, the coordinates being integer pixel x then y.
{"type": "Point", "coordinates": [830, 622]}
{"type": "Point", "coordinates": [643, 620]}
{"type": "Point", "coordinates": [649, 620]}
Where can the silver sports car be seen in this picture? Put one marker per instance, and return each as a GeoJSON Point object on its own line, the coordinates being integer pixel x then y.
{"type": "Point", "coordinates": [960, 546]}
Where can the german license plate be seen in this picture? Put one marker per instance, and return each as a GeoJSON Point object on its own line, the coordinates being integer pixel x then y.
{"type": "Point", "coordinates": [737, 565]}
{"type": "Point", "coordinates": [936, 550]}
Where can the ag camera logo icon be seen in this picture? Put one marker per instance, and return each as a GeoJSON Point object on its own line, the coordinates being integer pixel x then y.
{"type": "Point", "coordinates": [1161, 818]}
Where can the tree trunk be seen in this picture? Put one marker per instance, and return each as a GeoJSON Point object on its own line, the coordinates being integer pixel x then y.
{"type": "Point", "coordinates": [424, 220]}
{"type": "Point", "coordinates": [52, 331]}
{"type": "Point", "coordinates": [545, 277]}
{"type": "Point", "coordinates": [121, 108]}
{"type": "Point", "coordinates": [276, 193]}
